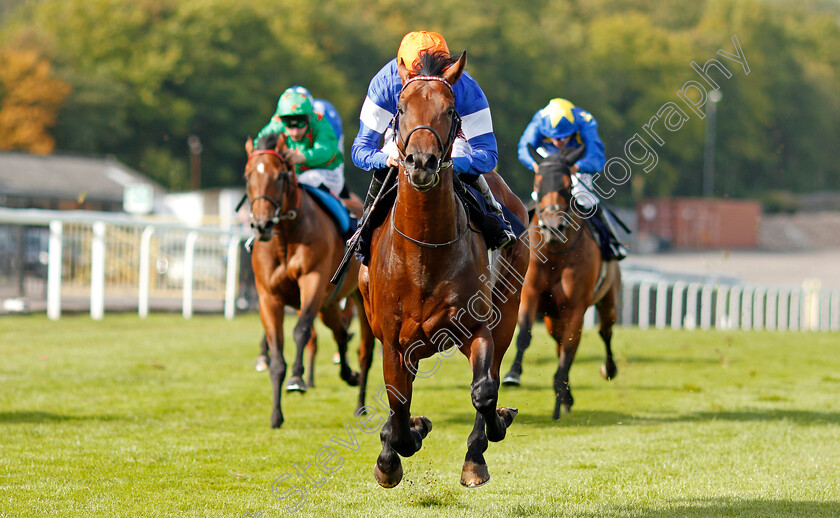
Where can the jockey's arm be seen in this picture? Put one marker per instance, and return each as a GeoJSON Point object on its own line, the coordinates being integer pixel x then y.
{"type": "Point", "coordinates": [531, 136]}
{"type": "Point", "coordinates": [477, 126]}
{"type": "Point", "coordinates": [593, 159]}
{"type": "Point", "coordinates": [324, 146]}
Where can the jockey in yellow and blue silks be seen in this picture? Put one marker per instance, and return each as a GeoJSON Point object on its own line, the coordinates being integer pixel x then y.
{"type": "Point", "coordinates": [561, 124]}
{"type": "Point", "coordinates": [473, 154]}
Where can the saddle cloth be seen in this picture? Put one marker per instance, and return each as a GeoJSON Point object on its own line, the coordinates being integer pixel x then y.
{"type": "Point", "coordinates": [345, 222]}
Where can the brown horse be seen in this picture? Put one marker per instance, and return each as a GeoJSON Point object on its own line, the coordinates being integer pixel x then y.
{"type": "Point", "coordinates": [298, 247]}
{"type": "Point", "coordinates": [566, 277]}
{"type": "Point", "coordinates": [425, 287]}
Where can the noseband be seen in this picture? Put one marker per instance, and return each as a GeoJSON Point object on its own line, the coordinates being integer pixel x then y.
{"type": "Point", "coordinates": [278, 216]}
{"type": "Point", "coordinates": [454, 129]}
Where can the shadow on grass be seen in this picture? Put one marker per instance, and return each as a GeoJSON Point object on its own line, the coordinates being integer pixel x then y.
{"type": "Point", "coordinates": [734, 507]}
{"type": "Point", "coordinates": [27, 416]}
{"type": "Point", "coordinates": [596, 418]}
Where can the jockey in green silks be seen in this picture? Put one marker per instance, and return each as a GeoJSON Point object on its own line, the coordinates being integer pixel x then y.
{"type": "Point", "coordinates": [311, 141]}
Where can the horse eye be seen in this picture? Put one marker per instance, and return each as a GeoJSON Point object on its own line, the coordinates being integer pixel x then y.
{"type": "Point", "coordinates": [450, 112]}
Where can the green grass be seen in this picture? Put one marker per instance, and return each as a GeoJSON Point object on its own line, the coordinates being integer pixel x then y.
{"type": "Point", "coordinates": [166, 417]}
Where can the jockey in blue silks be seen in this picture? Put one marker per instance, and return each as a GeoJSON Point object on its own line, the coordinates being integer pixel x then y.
{"type": "Point", "coordinates": [473, 154]}
{"type": "Point", "coordinates": [561, 124]}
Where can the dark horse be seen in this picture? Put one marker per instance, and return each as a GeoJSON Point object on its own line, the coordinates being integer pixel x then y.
{"type": "Point", "coordinates": [425, 287]}
{"type": "Point", "coordinates": [298, 248]}
{"type": "Point", "coordinates": [565, 278]}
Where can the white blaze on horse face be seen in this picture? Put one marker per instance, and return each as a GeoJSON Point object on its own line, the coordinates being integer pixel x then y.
{"type": "Point", "coordinates": [261, 168]}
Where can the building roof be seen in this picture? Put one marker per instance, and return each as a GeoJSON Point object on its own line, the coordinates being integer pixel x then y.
{"type": "Point", "coordinates": [68, 176]}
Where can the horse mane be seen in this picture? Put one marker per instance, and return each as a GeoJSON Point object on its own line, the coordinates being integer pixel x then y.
{"type": "Point", "coordinates": [432, 63]}
{"type": "Point", "coordinates": [268, 141]}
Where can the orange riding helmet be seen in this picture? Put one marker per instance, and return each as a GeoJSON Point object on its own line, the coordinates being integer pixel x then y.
{"type": "Point", "coordinates": [416, 42]}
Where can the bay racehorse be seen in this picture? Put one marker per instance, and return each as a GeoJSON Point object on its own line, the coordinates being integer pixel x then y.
{"type": "Point", "coordinates": [426, 287]}
{"type": "Point", "coordinates": [566, 277]}
{"type": "Point", "coordinates": [297, 249]}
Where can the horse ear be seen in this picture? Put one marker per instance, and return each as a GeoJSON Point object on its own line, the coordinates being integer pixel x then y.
{"type": "Point", "coordinates": [454, 72]}
{"type": "Point", "coordinates": [533, 152]}
{"type": "Point", "coordinates": [402, 70]}
{"type": "Point", "coordinates": [575, 154]}
{"type": "Point", "coordinates": [249, 145]}
{"type": "Point", "coordinates": [281, 143]}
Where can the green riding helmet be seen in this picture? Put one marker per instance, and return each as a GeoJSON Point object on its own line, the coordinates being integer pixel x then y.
{"type": "Point", "coordinates": [294, 103]}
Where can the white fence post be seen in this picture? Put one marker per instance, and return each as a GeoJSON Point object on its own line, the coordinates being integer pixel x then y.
{"type": "Point", "coordinates": [97, 272]}
{"type": "Point", "coordinates": [825, 311]}
{"type": "Point", "coordinates": [783, 312]}
{"type": "Point", "coordinates": [189, 264]}
{"type": "Point", "coordinates": [661, 304]}
{"type": "Point", "coordinates": [735, 307]}
{"type": "Point", "coordinates": [232, 277]}
{"type": "Point", "coordinates": [691, 317]}
{"type": "Point", "coordinates": [644, 305]}
{"type": "Point", "coordinates": [144, 281]}
{"type": "Point", "coordinates": [770, 309]}
{"type": "Point", "coordinates": [54, 266]}
{"type": "Point", "coordinates": [721, 319]}
{"type": "Point", "coordinates": [589, 317]}
{"type": "Point", "coordinates": [758, 308]}
{"type": "Point", "coordinates": [677, 305]}
{"type": "Point", "coordinates": [746, 308]}
{"type": "Point", "coordinates": [706, 306]}
{"type": "Point", "coordinates": [627, 302]}
{"type": "Point", "coordinates": [794, 310]}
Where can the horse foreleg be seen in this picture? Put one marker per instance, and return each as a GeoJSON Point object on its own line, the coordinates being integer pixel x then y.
{"type": "Point", "coordinates": [366, 345]}
{"type": "Point", "coordinates": [607, 317]}
{"type": "Point", "coordinates": [527, 315]}
{"type": "Point", "coordinates": [566, 332]}
{"type": "Point", "coordinates": [402, 435]}
{"type": "Point", "coordinates": [311, 350]}
{"type": "Point", "coordinates": [271, 314]}
{"type": "Point", "coordinates": [334, 320]}
{"type": "Point", "coordinates": [262, 360]}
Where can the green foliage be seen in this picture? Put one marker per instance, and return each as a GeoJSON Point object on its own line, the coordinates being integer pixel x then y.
{"type": "Point", "coordinates": [145, 75]}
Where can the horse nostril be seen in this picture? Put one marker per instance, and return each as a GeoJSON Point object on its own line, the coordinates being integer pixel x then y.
{"type": "Point", "coordinates": [431, 163]}
{"type": "Point", "coordinates": [409, 160]}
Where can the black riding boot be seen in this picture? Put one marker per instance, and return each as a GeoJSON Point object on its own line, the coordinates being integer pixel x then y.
{"type": "Point", "coordinates": [611, 247]}
{"type": "Point", "coordinates": [496, 229]}
{"type": "Point", "coordinates": [370, 223]}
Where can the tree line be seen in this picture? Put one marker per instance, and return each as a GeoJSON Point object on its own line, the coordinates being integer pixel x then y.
{"type": "Point", "coordinates": [137, 78]}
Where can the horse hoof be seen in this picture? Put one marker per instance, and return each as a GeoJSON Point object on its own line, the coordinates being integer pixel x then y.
{"type": "Point", "coordinates": [276, 420]}
{"type": "Point", "coordinates": [296, 384]}
{"type": "Point", "coordinates": [387, 480]}
{"type": "Point", "coordinates": [351, 378]}
{"type": "Point", "coordinates": [422, 424]}
{"type": "Point", "coordinates": [608, 372]}
{"type": "Point", "coordinates": [508, 414]}
{"type": "Point", "coordinates": [261, 364]}
{"type": "Point", "coordinates": [511, 379]}
{"type": "Point", "coordinates": [474, 475]}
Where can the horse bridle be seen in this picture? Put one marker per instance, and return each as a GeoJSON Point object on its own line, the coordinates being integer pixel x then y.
{"type": "Point", "coordinates": [454, 129]}
{"type": "Point", "coordinates": [567, 196]}
{"type": "Point", "coordinates": [278, 207]}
